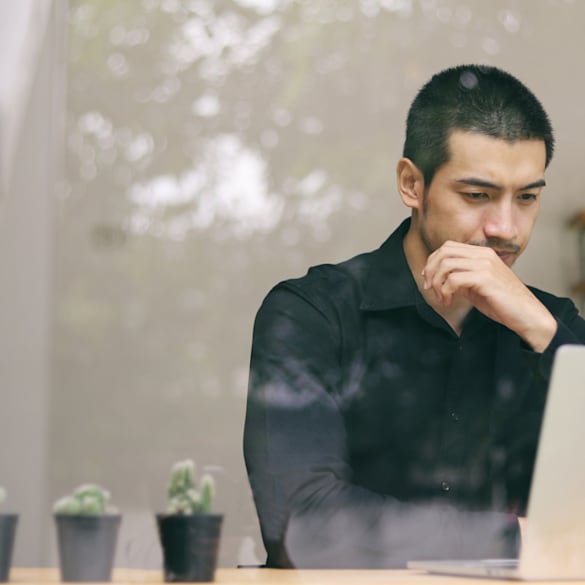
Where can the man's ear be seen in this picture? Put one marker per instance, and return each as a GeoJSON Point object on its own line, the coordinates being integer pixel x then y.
{"type": "Point", "coordinates": [411, 183]}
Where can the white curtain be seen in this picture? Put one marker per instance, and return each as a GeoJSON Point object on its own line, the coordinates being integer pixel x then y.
{"type": "Point", "coordinates": [23, 26]}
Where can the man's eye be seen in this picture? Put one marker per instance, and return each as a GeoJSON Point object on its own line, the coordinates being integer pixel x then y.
{"type": "Point", "coordinates": [476, 196]}
{"type": "Point", "coordinates": [528, 197]}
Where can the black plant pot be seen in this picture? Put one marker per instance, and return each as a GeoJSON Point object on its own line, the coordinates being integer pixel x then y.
{"type": "Point", "coordinates": [86, 546]}
{"type": "Point", "coordinates": [8, 524]}
{"type": "Point", "coordinates": [190, 544]}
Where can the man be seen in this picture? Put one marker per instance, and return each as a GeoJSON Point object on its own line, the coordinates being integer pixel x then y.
{"type": "Point", "coordinates": [395, 399]}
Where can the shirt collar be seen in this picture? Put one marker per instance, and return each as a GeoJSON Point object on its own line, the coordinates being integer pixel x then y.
{"type": "Point", "coordinates": [389, 283]}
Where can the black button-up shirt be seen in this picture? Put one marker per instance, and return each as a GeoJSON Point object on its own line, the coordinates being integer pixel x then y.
{"type": "Point", "coordinates": [374, 433]}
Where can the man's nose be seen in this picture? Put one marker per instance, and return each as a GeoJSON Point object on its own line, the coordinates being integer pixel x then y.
{"type": "Point", "coordinates": [500, 222]}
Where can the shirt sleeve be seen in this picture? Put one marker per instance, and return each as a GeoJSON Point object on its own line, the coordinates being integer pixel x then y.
{"type": "Point", "coordinates": [310, 512]}
{"type": "Point", "coordinates": [570, 331]}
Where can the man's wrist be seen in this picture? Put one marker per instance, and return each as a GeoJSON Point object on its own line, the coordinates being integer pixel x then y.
{"type": "Point", "coordinates": [541, 333]}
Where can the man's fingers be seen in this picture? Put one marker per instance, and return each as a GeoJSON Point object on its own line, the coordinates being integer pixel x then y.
{"type": "Point", "coordinates": [452, 274]}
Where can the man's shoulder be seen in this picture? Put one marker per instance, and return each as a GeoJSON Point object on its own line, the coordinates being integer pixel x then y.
{"type": "Point", "coordinates": [333, 278]}
{"type": "Point", "coordinates": [331, 284]}
{"type": "Point", "coordinates": [362, 281]}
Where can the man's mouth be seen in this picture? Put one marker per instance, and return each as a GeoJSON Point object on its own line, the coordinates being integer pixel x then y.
{"type": "Point", "coordinates": [507, 251]}
{"type": "Point", "coordinates": [506, 255]}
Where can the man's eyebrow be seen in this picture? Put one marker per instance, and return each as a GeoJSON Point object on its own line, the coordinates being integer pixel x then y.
{"type": "Point", "coordinates": [535, 185]}
{"type": "Point", "coordinates": [475, 182]}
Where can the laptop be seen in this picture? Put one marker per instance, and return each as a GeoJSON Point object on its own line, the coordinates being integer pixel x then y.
{"type": "Point", "coordinates": [553, 540]}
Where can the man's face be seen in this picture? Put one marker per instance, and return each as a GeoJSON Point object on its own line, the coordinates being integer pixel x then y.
{"type": "Point", "coordinates": [487, 194]}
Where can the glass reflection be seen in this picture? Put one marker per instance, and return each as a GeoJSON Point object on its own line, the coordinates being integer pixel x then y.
{"type": "Point", "coordinates": [214, 146]}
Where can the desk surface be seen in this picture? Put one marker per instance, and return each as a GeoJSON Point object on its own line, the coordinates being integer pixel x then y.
{"type": "Point", "coordinates": [275, 577]}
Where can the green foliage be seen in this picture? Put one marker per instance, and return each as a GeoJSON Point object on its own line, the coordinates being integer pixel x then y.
{"type": "Point", "coordinates": [87, 500]}
{"type": "Point", "coordinates": [183, 495]}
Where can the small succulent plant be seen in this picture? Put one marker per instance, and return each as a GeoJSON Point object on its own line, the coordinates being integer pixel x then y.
{"type": "Point", "coordinates": [183, 495]}
{"type": "Point", "coordinates": [87, 500]}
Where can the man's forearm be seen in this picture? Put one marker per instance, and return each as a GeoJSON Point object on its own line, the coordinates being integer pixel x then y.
{"type": "Point", "coordinates": [389, 534]}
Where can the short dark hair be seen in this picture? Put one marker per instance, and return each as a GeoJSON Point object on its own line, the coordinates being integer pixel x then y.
{"type": "Point", "coordinates": [474, 98]}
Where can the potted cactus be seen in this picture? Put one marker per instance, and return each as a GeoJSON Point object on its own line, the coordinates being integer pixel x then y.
{"type": "Point", "coordinates": [189, 532]}
{"type": "Point", "coordinates": [87, 531]}
{"type": "Point", "coordinates": [7, 531]}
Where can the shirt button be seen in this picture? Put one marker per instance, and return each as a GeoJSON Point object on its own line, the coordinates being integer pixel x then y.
{"type": "Point", "coordinates": [454, 416]}
{"type": "Point", "coordinates": [445, 486]}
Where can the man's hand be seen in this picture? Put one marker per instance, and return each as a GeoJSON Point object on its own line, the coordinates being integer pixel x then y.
{"type": "Point", "coordinates": [479, 275]}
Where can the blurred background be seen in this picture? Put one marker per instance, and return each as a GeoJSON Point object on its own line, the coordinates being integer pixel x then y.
{"type": "Point", "coordinates": [163, 163]}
